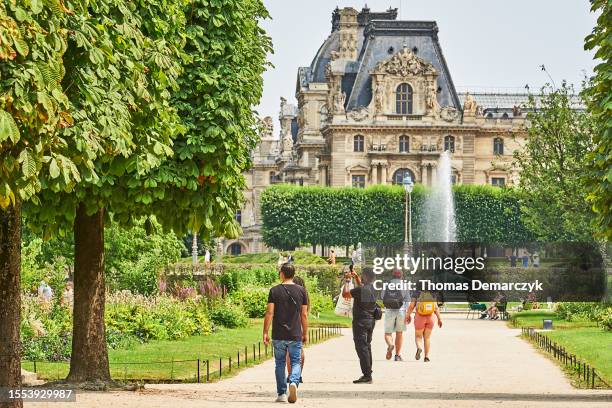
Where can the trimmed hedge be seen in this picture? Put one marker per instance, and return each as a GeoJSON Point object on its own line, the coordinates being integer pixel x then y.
{"type": "Point", "coordinates": [294, 216]}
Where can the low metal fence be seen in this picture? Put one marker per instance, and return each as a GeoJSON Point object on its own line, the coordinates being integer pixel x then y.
{"type": "Point", "coordinates": [185, 370]}
{"type": "Point", "coordinates": [587, 375]}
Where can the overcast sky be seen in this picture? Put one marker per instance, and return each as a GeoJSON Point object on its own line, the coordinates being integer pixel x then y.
{"type": "Point", "coordinates": [487, 44]}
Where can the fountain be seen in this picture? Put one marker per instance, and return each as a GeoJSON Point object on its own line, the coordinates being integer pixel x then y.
{"type": "Point", "coordinates": [440, 205]}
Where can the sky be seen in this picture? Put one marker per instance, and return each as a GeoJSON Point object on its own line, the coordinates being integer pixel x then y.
{"type": "Point", "coordinates": [488, 44]}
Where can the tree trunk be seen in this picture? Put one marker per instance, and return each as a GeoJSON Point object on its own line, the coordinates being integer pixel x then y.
{"type": "Point", "coordinates": [89, 360]}
{"type": "Point", "coordinates": [10, 299]}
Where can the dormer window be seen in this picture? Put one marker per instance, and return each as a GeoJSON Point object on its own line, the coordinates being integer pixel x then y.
{"type": "Point", "coordinates": [403, 99]}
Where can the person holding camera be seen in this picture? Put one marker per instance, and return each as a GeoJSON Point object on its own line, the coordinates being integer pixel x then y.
{"type": "Point", "coordinates": [365, 314]}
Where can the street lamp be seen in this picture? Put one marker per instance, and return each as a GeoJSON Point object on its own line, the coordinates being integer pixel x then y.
{"type": "Point", "coordinates": [408, 186]}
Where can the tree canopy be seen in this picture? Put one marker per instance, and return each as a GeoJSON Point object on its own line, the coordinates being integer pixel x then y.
{"type": "Point", "coordinates": [599, 102]}
{"type": "Point", "coordinates": [551, 164]}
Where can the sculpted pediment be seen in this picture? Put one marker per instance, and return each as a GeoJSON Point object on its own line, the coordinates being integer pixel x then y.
{"type": "Point", "coordinates": [405, 63]}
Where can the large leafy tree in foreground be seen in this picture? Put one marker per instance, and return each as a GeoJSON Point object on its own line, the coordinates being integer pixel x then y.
{"type": "Point", "coordinates": [122, 59]}
{"type": "Point", "coordinates": [33, 108]}
{"type": "Point", "coordinates": [551, 165]}
{"type": "Point", "coordinates": [599, 104]}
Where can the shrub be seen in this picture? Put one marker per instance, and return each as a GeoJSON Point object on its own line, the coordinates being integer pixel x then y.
{"type": "Point", "coordinates": [228, 315]}
{"type": "Point", "coordinates": [235, 279]}
{"type": "Point", "coordinates": [577, 310]}
{"type": "Point", "coordinates": [605, 318]}
{"type": "Point", "coordinates": [320, 302]}
{"type": "Point", "coordinates": [252, 300]}
{"type": "Point", "coordinates": [156, 318]}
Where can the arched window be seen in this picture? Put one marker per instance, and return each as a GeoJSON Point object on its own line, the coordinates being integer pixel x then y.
{"type": "Point", "coordinates": [449, 144]}
{"type": "Point", "coordinates": [358, 143]}
{"type": "Point", "coordinates": [498, 146]}
{"type": "Point", "coordinates": [505, 116]}
{"type": "Point", "coordinates": [400, 174]}
{"type": "Point", "coordinates": [489, 115]}
{"type": "Point", "coordinates": [404, 144]}
{"type": "Point", "coordinates": [235, 249]}
{"type": "Point", "coordinates": [403, 99]}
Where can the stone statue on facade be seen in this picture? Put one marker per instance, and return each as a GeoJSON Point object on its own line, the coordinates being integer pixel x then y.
{"type": "Point", "coordinates": [267, 127]}
{"type": "Point", "coordinates": [432, 99]}
{"type": "Point", "coordinates": [517, 111]}
{"type": "Point", "coordinates": [378, 97]}
{"type": "Point", "coordinates": [287, 143]}
{"type": "Point", "coordinates": [469, 106]}
{"type": "Point", "coordinates": [340, 101]}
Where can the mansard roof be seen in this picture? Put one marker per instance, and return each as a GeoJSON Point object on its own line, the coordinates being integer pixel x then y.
{"type": "Point", "coordinates": [380, 36]}
{"type": "Point", "coordinates": [506, 101]}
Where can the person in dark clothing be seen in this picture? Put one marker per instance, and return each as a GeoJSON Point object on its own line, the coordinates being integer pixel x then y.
{"type": "Point", "coordinates": [287, 313]}
{"type": "Point", "coordinates": [363, 319]}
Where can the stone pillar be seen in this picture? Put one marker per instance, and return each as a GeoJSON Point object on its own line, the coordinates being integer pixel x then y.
{"type": "Point", "coordinates": [384, 174]}
{"type": "Point", "coordinates": [374, 178]}
{"type": "Point", "coordinates": [434, 177]}
{"type": "Point", "coordinates": [322, 175]}
{"type": "Point", "coordinates": [424, 174]}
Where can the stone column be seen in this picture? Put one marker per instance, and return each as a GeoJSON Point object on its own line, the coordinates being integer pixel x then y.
{"type": "Point", "coordinates": [322, 175]}
{"type": "Point", "coordinates": [434, 177]}
{"type": "Point", "coordinates": [374, 178]}
{"type": "Point", "coordinates": [424, 174]}
{"type": "Point", "coordinates": [384, 174]}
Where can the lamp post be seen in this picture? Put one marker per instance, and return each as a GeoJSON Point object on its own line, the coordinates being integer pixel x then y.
{"type": "Point", "coordinates": [408, 186]}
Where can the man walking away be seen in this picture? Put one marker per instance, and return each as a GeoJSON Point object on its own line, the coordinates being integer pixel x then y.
{"type": "Point", "coordinates": [396, 302]}
{"type": "Point", "coordinates": [364, 318]}
{"type": "Point", "coordinates": [287, 310]}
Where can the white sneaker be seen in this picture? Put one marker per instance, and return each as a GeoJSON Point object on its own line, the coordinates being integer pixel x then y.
{"type": "Point", "coordinates": [292, 393]}
{"type": "Point", "coordinates": [281, 398]}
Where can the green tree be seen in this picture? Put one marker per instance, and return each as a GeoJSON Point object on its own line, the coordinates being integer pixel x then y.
{"type": "Point", "coordinates": [33, 108]}
{"type": "Point", "coordinates": [199, 188]}
{"type": "Point", "coordinates": [122, 60]}
{"type": "Point", "coordinates": [599, 104]}
{"type": "Point", "coordinates": [551, 164]}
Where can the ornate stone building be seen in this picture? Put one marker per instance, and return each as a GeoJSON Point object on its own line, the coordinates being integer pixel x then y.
{"type": "Point", "coordinates": [378, 103]}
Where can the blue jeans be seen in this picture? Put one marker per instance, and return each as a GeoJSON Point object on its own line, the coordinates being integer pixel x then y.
{"type": "Point", "coordinates": [280, 360]}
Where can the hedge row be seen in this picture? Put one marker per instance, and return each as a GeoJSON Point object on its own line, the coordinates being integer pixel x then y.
{"type": "Point", "coordinates": [295, 216]}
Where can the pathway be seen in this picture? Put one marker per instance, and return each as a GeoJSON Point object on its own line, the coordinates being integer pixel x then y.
{"type": "Point", "coordinates": [474, 363]}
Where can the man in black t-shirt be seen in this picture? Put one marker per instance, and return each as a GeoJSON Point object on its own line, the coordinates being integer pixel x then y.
{"type": "Point", "coordinates": [363, 319]}
{"type": "Point", "coordinates": [287, 311]}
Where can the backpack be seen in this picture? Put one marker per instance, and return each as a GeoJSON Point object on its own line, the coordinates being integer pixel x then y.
{"type": "Point", "coordinates": [393, 299]}
{"type": "Point", "coordinates": [426, 304]}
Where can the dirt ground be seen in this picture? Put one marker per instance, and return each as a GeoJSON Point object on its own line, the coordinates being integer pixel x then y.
{"type": "Point", "coordinates": [474, 363]}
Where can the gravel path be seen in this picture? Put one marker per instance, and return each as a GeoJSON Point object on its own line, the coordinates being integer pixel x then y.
{"type": "Point", "coordinates": [474, 364]}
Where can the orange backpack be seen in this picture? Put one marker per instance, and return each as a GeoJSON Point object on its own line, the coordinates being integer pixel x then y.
{"type": "Point", "coordinates": [426, 304]}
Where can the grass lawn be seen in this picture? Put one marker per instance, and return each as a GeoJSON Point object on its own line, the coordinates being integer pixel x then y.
{"type": "Point", "coordinates": [534, 318]}
{"type": "Point", "coordinates": [583, 338]}
{"type": "Point", "coordinates": [166, 360]}
{"type": "Point", "coordinates": [592, 344]}
{"type": "Point", "coordinates": [328, 318]}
